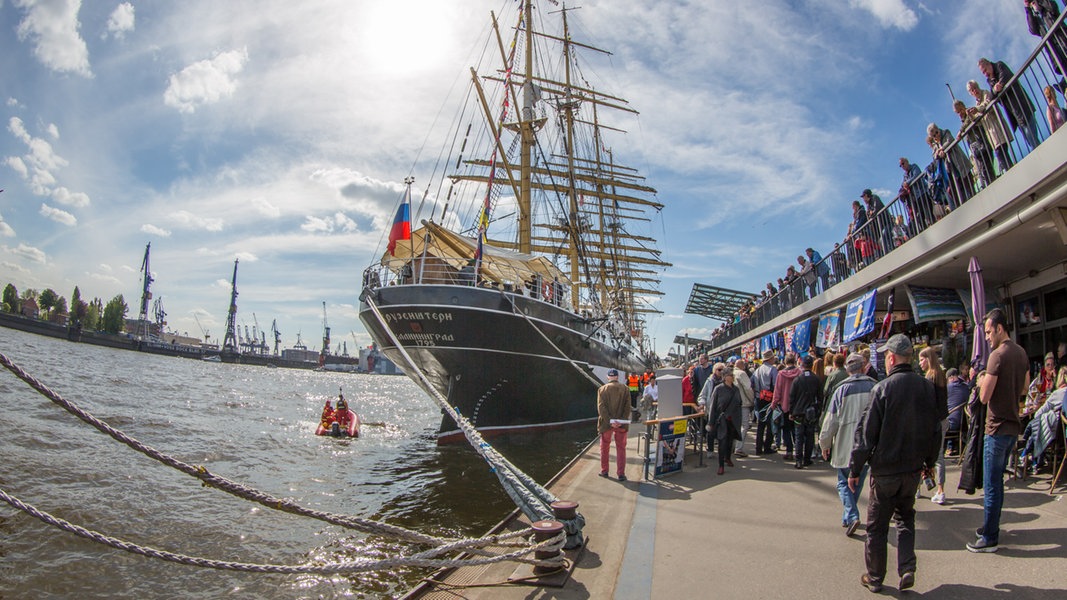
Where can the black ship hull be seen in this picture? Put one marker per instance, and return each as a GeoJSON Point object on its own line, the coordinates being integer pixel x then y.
{"type": "Point", "coordinates": [506, 361]}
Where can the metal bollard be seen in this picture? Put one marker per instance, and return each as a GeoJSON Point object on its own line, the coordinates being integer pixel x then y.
{"type": "Point", "coordinates": [546, 530]}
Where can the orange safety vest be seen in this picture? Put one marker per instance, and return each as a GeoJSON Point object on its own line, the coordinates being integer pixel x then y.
{"type": "Point", "coordinates": [634, 382]}
{"type": "Point", "coordinates": [646, 377]}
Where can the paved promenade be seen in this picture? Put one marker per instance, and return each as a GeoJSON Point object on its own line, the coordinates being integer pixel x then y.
{"type": "Point", "coordinates": [767, 530]}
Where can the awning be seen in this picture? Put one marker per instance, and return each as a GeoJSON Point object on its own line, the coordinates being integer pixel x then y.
{"type": "Point", "coordinates": [498, 264]}
{"type": "Point", "coordinates": [935, 304]}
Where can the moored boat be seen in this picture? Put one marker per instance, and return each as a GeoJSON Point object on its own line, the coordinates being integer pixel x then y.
{"type": "Point", "coordinates": [530, 278]}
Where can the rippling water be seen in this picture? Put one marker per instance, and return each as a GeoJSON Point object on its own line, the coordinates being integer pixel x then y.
{"type": "Point", "coordinates": [250, 424]}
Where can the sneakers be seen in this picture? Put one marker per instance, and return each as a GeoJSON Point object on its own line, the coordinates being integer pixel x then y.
{"type": "Point", "coordinates": [982, 546]}
{"type": "Point", "coordinates": [603, 473]}
{"type": "Point", "coordinates": [852, 527]}
{"type": "Point", "coordinates": [907, 580]}
{"type": "Point", "coordinates": [622, 478]}
{"type": "Point", "coordinates": [740, 454]}
{"type": "Point", "coordinates": [979, 532]}
{"type": "Point", "coordinates": [870, 584]}
{"type": "Point", "coordinates": [938, 498]}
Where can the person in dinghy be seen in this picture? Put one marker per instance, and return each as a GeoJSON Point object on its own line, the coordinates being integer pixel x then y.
{"type": "Point", "coordinates": [340, 421]}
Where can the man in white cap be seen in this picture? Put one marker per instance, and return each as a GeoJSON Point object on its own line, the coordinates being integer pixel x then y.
{"type": "Point", "coordinates": [613, 410]}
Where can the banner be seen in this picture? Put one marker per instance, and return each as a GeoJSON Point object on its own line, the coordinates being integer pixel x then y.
{"type": "Point", "coordinates": [787, 336]}
{"type": "Point", "coordinates": [670, 451]}
{"type": "Point", "coordinates": [802, 337]}
{"type": "Point", "coordinates": [859, 317]}
{"type": "Point", "coordinates": [829, 334]}
{"type": "Point", "coordinates": [935, 304]}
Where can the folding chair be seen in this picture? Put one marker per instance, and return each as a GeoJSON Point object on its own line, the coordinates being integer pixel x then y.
{"type": "Point", "coordinates": [1063, 460]}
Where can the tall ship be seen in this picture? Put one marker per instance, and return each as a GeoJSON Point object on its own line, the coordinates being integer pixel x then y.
{"type": "Point", "coordinates": [531, 263]}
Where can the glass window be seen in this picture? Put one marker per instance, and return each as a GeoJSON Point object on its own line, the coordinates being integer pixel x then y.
{"type": "Point", "coordinates": [1056, 304]}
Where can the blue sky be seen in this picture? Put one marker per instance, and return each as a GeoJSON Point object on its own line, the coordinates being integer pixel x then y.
{"type": "Point", "coordinates": [280, 133]}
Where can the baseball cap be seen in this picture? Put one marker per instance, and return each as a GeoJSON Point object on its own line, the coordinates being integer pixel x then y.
{"type": "Point", "coordinates": [854, 362]}
{"type": "Point", "coordinates": [898, 344]}
{"type": "Point", "coordinates": [613, 373]}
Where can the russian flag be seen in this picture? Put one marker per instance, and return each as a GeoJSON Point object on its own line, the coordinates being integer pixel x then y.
{"type": "Point", "coordinates": [401, 223]}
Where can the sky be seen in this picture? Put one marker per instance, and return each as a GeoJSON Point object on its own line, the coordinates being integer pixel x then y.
{"type": "Point", "coordinates": [280, 133]}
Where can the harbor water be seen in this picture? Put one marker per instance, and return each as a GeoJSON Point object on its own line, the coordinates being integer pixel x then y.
{"type": "Point", "coordinates": [253, 425]}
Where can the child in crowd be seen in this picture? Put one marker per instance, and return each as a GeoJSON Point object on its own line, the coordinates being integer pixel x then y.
{"type": "Point", "coordinates": [1053, 112]}
{"type": "Point", "coordinates": [900, 232]}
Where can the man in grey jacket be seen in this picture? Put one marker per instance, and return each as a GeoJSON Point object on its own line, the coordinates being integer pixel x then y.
{"type": "Point", "coordinates": [898, 434]}
{"type": "Point", "coordinates": [850, 398]}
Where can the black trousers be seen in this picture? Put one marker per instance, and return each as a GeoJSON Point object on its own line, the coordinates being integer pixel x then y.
{"type": "Point", "coordinates": [804, 440]}
{"type": "Point", "coordinates": [891, 497]}
{"type": "Point", "coordinates": [764, 432]}
{"type": "Point", "coordinates": [726, 450]}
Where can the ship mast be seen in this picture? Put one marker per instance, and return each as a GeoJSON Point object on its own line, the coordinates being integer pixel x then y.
{"type": "Point", "coordinates": [526, 128]}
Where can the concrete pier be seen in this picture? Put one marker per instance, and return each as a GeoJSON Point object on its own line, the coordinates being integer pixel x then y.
{"type": "Point", "coordinates": [768, 530]}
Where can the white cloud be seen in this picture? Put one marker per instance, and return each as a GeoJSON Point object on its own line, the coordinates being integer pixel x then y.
{"type": "Point", "coordinates": [266, 209]}
{"type": "Point", "coordinates": [28, 252]}
{"type": "Point", "coordinates": [12, 266]}
{"type": "Point", "coordinates": [57, 215]}
{"type": "Point", "coordinates": [338, 222]}
{"type": "Point", "coordinates": [52, 26]}
{"type": "Point", "coordinates": [105, 267]}
{"type": "Point", "coordinates": [12, 102]}
{"type": "Point", "coordinates": [188, 220]}
{"type": "Point", "coordinates": [246, 257]}
{"type": "Point", "coordinates": [17, 165]}
{"type": "Point", "coordinates": [38, 165]}
{"type": "Point", "coordinates": [890, 13]}
{"type": "Point", "coordinates": [53, 131]}
{"type": "Point", "coordinates": [5, 229]}
{"type": "Point", "coordinates": [205, 82]}
{"type": "Point", "coordinates": [76, 199]}
{"type": "Point", "coordinates": [121, 20]}
{"type": "Point", "coordinates": [153, 230]}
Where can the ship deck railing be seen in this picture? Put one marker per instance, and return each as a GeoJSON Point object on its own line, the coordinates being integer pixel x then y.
{"type": "Point", "coordinates": [929, 200]}
{"type": "Point", "coordinates": [528, 284]}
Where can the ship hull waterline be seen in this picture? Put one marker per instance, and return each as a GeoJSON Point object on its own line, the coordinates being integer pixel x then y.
{"type": "Point", "coordinates": [507, 362]}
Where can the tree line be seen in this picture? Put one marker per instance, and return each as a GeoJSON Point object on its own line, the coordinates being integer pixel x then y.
{"type": "Point", "coordinates": [93, 315]}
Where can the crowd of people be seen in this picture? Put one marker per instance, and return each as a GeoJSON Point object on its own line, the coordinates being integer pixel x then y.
{"type": "Point", "coordinates": [999, 115]}
{"type": "Point", "coordinates": [892, 429]}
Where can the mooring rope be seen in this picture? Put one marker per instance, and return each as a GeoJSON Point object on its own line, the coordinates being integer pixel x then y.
{"type": "Point", "coordinates": [422, 559]}
{"type": "Point", "coordinates": [531, 497]}
{"type": "Point", "coordinates": [248, 493]}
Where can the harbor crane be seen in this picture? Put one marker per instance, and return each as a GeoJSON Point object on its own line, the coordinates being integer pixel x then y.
{"type": "Point", "coordinates": [229, 343]}
{"type": "Point", "coordinates": [277, 335]}
{"type": "Point", "coordinates": [146, 292]}
{"type": "Point", "coordinates": [204, 332]}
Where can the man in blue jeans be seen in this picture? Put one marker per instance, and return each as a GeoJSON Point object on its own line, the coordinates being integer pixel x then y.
{"type": "Point", "coordinates": [1007, 377]}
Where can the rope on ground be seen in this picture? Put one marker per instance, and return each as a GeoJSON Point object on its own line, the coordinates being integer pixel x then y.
{"type": "Point", "coordinates": [242, 491]}
{"type": "Point", "coordinates": [422, 559]}
{"type": "Point", "coordinates": [531, 497]}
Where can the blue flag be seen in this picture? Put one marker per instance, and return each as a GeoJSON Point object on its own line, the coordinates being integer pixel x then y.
{"type": "Point", "coordinates": [859, 317]}
{"type": "Point", "coordinates": [802, 337]}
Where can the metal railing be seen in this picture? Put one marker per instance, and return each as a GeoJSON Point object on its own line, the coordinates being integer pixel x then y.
{"type": "Point", "coordinates": [993, 138]}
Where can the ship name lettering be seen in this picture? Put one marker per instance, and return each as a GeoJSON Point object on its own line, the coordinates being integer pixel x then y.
{"type": "Point", "coordinates": [440, 317]}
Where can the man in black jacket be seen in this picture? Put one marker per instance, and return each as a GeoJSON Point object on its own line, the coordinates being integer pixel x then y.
{"type": "Point", "coordinates": [898, 434]}
{"type": "Point", "coordinates": [805, 404]}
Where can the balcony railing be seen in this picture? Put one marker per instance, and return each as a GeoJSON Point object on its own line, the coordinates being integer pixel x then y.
{"type": "Point", "coordinates": [993, 138]}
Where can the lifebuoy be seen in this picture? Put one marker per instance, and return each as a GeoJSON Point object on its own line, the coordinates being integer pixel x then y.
{"type": "Point", "coordinates": [546, 291]}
